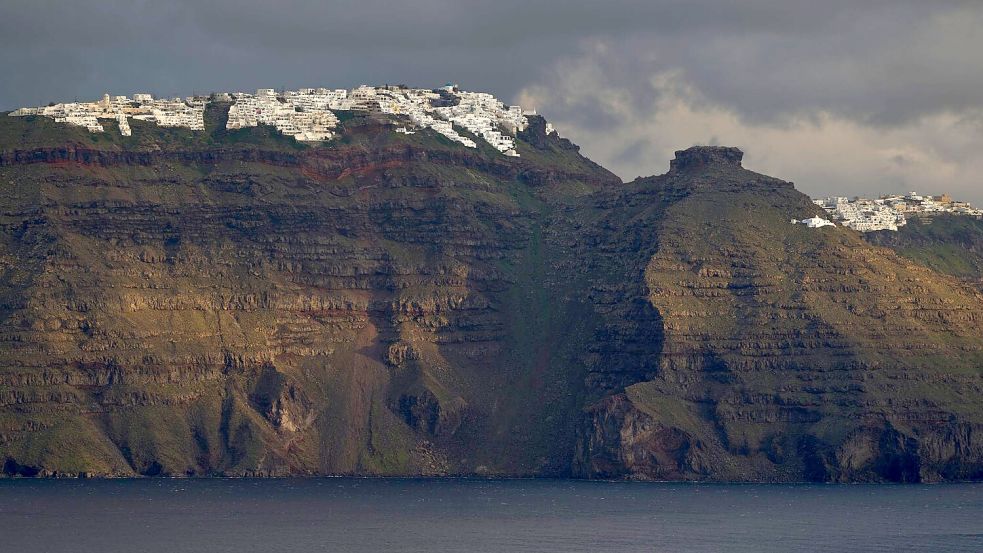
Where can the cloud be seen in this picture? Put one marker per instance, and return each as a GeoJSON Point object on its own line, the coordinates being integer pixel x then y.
{"type": "Point", "coordinates": [825, 154]}
{"type": "Point", "coordinates": [838, 95]}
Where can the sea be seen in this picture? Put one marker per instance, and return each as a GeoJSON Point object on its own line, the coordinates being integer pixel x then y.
{"type": "Point", "coordinates": [463, 515]}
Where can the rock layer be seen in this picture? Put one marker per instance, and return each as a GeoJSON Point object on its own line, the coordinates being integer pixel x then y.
{"type": "Point", "coordinates": [787, 353]}
{"type": "Point", "coordinates": [231, 303]}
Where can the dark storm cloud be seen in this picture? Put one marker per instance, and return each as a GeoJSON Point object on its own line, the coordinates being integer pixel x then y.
{"type": "Point", "coordinates": [766, 66]}
{"type": "Point", "coordinates": [765, 58]}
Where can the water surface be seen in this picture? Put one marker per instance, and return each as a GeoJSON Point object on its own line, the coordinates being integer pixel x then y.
{"type": "Point", "coordinates": [369, 515]}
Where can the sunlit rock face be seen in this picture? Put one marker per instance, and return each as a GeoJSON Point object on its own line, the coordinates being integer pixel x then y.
{"type": "Point", "coordinates": [785, 352]}
{"type": "Point", "coordinates": [234, 301]}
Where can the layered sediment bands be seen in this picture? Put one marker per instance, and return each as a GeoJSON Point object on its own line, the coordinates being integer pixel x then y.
{"type": "Point", "coordinates": [788, 353]}
{"type": "Point", "coordinates": [233, 303]}
{"type": "Point", "coordinates": [243, 309]}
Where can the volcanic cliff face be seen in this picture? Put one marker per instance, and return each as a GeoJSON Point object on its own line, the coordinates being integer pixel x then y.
{"type": "Point", "coordinates": [236, 303]}
{"type": "Point", "coordinates": [240, 304]}
{"type": "Point", "coordinates": [786, 353]}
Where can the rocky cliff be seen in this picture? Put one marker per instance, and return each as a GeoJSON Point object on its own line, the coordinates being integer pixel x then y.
{"type": "Point", "coordinates": [784, 352]}
{"type": "Point", "coordinates": [231, 302]}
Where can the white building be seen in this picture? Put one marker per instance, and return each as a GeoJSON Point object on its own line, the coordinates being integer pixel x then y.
{"type": "Point", "coordinates": [890, 212]}
{"type": "Point", "coordinates": [305, 115]}
{"type": "Point", "coordinates": [308, 114]}
{"type": "Point", "coordinates": [814, 222]}
{"type": "Point", "coordinates": [124, 125]}
{"type": "Point", "coordinates": [167, 113]}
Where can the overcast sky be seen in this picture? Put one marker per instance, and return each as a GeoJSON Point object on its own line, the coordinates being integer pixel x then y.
{"type": "Point", "coordinates": [842, 97]}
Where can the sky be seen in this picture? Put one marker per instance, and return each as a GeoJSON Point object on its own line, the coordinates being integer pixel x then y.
{"type": "Point", "coordinates": [841, 97]}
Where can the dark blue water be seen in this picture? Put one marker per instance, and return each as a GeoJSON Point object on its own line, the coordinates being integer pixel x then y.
{"type": "Point", "coordinates": [275, 516]}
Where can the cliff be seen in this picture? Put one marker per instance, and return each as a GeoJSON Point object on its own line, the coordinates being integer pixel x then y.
{"type": "Point", "coordinates": [783, 353]}
{"type": "Point", "coordinates": [235, 303]}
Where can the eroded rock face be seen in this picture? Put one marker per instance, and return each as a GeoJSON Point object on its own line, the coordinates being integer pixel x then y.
{"type": "Point", "coordinates": [699, 157]}
{"type": "Point", "coordinates": [228, 303]}
{"type": "Point", "coordinates": [786, 353]}
{"type": "Point", "coordinates": [251, 307]}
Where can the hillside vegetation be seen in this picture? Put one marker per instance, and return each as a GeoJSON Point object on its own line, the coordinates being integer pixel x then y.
{"type": "Point", "coordinates": [236, 303]}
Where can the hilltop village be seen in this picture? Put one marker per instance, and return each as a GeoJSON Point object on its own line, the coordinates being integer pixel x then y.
{"type": "Point", "coordinates": [308, 114]}
{"type": "Point", "coordinates": [891, 212]}
{"type": "Point", "coordinates": [188, 113]}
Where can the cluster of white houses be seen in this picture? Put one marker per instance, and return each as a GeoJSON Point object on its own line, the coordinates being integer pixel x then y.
{"type": "Point", "coordinates": [479, 113]}
{"type": "Point", "coordinates": [891, 212]}
{"type": "Point", "coordinates": [305, 115]}
{"type": "Point", "coordinates": [175, 112]}
{"type": "Point", "coordinates": [308, 114]}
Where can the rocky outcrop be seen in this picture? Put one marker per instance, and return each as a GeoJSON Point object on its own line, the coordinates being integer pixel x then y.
{"type": "Point", "coordinates": [699, 157]}
{"type": "Point", "coordinates": [787, 353]}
